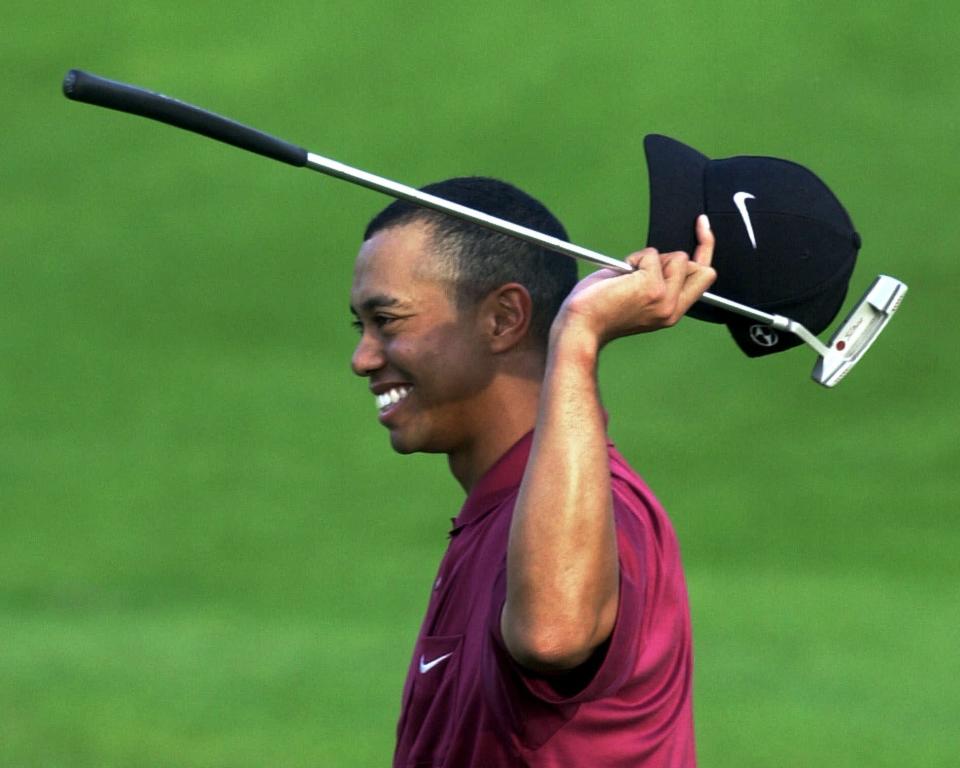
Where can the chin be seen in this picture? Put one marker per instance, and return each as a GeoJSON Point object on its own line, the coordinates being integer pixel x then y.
{"type": "Point", "coordinates": [404, 443]}
{"type": "Point", "coordinates": [400, 446]}
{"type": "Point", "coordinates": [407, 443]}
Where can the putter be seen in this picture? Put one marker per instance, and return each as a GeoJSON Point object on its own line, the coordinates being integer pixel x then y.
{"type": "Point", "coordinates": [848, 344]}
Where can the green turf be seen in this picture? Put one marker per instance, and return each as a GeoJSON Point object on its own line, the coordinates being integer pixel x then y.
{"type": "Point", "coordinates": [209, 555]}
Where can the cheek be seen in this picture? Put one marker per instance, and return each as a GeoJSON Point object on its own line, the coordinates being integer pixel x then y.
{"type": "Point", "coordinates": [462, 368]}
{"type": "Point", "coordinates": [443, 365]}
{"type": "Point", "coordinates": [450, 350]}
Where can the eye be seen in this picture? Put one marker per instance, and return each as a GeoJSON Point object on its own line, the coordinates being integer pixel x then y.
{"type": "Point", "coordinates": [379, 320]}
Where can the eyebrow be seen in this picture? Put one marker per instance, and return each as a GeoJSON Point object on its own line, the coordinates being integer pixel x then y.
{"type": "Point", "coordinates": [376, 301]}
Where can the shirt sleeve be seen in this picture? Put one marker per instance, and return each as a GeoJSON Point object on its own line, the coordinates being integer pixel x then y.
{"type": "Point", "coordinates": [613, 663]}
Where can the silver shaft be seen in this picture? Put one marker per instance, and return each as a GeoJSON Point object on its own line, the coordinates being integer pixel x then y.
{"type": "Point", "coordinates": [402, 191]}
{"type": "Point", "coordinates": [798, 330]}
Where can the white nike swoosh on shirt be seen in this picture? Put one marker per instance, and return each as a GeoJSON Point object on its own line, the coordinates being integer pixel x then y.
{"type": "Point", "coordinates": [740, 200]}
{"type": "Point", "coordinates": [426, 666]}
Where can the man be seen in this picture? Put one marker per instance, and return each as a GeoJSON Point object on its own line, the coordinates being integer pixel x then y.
{"type": "Point", "coordinates": [557, 632]}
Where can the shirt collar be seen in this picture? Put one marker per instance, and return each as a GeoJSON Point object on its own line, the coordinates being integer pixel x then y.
{"type": "Point", "coordinates": [496, 484]}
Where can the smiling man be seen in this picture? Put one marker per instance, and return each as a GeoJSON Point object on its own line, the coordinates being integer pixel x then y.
{"type": "Point", "coordinates": [557, 632]}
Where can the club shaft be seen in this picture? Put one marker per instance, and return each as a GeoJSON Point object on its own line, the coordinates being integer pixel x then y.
{"type": "Point", "coordinates": [388, 187]}
{"type": "Point", "coordinates": [92, 89]}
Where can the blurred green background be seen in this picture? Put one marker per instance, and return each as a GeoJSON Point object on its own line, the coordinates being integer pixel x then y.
{"type": "Point", "coordinates": [209, 555]}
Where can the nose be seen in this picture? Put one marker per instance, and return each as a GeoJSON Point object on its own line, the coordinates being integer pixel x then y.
{"type": "Point", "coordinates": [368, 355]}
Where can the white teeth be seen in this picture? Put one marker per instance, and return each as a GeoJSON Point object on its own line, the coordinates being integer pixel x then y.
{"type": "Point", "coordinates": [395, 395]}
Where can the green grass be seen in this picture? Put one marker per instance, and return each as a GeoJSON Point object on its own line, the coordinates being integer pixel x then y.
{"type": "Point", "coordinates": [209, 555]}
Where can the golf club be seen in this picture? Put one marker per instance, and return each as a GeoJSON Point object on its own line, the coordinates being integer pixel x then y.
{"type": "Point", "coordinates": [846, 347]}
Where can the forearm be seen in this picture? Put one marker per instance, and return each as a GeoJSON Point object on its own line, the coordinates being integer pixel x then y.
{"type": "Point", "coordinates": [562, 571]}
{"type": "Point", "coordinates": [562, 566]}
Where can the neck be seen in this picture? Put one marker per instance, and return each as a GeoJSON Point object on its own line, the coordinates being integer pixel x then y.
{"type": "Point", "coordinates": [509, 413]}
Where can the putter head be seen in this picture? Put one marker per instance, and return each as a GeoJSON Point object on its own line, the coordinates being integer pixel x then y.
{"type": "Point", "coordinates": [859, 330]}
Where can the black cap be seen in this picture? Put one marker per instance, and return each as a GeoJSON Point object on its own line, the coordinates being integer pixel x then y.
{"type": "Point", "coordinates": [785, 244]}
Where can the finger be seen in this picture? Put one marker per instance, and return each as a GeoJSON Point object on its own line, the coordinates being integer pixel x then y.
{"type": "Point", "coordinates": [675, 271]}
{"type": "Point", "coordinates": [689, 266]}
{"type": "Point", "coordinates": [694, 285]}
{"type": "Point", "coordinates": [649, 261]}
{"type": "Point", "coordinates": [634, 259]}
{"type": "Point", "coordinates": [705, 241]}
{"type": "Point", "coordinates": [675, 266]}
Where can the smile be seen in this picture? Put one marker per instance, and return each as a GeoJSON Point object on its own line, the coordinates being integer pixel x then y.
{"type": "Point", "coordinates": [392, 397]}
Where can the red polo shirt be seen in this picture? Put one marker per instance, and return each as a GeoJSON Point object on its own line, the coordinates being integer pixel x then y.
{"type": "Point", "coordinates": [467, 703]}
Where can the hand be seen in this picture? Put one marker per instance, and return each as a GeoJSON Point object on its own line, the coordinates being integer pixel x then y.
{"type": "Point", "coordinates": [662, 287]}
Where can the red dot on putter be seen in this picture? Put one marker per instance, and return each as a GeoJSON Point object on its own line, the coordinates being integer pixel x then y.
{"type": "Point", "coordinates": [841, 345]}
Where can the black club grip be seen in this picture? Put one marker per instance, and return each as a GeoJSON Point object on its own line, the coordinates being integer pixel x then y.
{"type": "Point", "coordinates": [92, 89]}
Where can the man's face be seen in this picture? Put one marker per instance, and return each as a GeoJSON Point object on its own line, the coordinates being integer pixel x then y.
{"type": "Point", "coordinates": [425, 359]}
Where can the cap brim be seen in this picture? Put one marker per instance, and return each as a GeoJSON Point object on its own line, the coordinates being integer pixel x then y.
{"type": "Point", "coordinates": [677, 196]}
{"type": "Point", "coordinates": [676, 174]}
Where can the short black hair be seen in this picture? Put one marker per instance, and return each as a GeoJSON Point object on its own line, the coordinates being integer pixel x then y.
{"type": "Point", "coordinates": [479, 259]}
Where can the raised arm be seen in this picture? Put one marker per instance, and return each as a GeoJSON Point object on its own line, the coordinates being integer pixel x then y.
{"type": "Point", "coordinates": [562, 563]}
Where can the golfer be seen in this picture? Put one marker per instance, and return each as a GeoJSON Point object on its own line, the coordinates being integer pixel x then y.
{"type": "Point", "coordinates": [557, 631]}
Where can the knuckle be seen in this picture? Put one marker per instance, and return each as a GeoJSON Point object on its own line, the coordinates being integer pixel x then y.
{"type": "Point", "coordinates": [655, 289]}
{"type": "Point", "coordinates": [639, 256]}
{"type": "Point", "coordinates": [669, 319]}
{"type": "Point", "coordinates": [663, 312]}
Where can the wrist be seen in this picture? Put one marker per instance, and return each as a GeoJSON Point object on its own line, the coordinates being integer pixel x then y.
{"type": "Point", "coordinates": [572, 337]}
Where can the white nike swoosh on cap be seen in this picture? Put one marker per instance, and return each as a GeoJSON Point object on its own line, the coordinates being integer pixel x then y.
{"type": "Point", "coordinates": [740, 200]}
{"type": "Point", "coordinates": [426, 666]}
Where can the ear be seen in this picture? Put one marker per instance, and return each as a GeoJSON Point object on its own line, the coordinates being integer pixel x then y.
{"type": "Point", "coordinates": [505, 314]}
